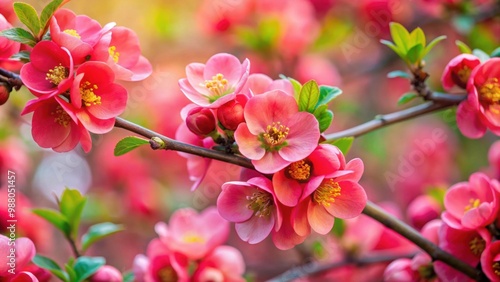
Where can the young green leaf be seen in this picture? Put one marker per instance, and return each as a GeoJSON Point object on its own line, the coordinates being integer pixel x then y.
{"type": "Point", "coordinates": [23, 56]}
{"type": "Point", "coordinates": [344, 144]}
{"type": "Point", "coordinates": [319, 110]}
{"type": "Point", "coordinates": [47, 13]}
{"type": "Point", "coordinates": [338, 227]}
{"type": "Point", "coordinates": [495, 53]}
{"type": "Point", "coordinates": [415, 53]}
{"type": "Point", "coordinates": [127, 144]}
{"type": "Point", "coordinates": [327, 94]}
{"type": "Point", "coordinates": [99, 231]}
{"type": "Point", "coordinates": [86, 266]}
{"type": "Point", "coordinates": [324, 120]}
{"type": "Point", "coordinates": [56, 218]}
{"type": "Point", "coordinates": [400, 36]}
{"type": "Point", "coordinates": [399, 73]}
{"type": "Point", "coordinates": [418, 36]}
{"type": "Point", "coordinates": [407, 97]}
{"type": "Point", "coordinates": [297, 87]}
{"type": "Point", "coordinates": [71, 205]}
{"type": "Point", "coordinates": [19, 35]}
{"type": "Point", "coordinates": [463, 47]}
{"type": "Point", "coordinates": [52, 266]}
{"type": "Point", "coordinates": [309, 96]}
{"type": "Point", "coordinates": [483, 57]}
{"type": "Point", "coordinates": [128, 277]}
{"type": "Point", "coordinates": [71, 272]}
{"type": "Point", "coordinates": [433, 43]}
{"type": "Point", "coordinates": [28, 16]}
{"type": "Point", "coordinates": [394, 48]}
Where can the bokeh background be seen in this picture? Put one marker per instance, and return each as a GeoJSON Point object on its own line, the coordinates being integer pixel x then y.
{"type": "Point", "coordinates": [335, 42]}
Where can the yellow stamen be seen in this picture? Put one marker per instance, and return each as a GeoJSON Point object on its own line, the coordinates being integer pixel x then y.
{"type": "Point", "coordinates": [327, 192]}
{"type": "Point", "coordinates": [114, 54]}
{"type": "Point", "coordinates": [72, 32]}
{"type": "Point", "coordinates": [57, 74]}
{"type": "Point", "coordinates": [167, 274]}
{"type": "Point", "coordinates": [217, 86]}
{"type": "Point", "coordinates": [88, 96]}
{"type": "Point", "coordinates": [473, 203]}
{"type": "Point", "coordinates": [261, 203]}
{"type": "Point", "coordinates": [61, 117]}
{"type": "Point", "coordinates": [276, 134]}
{"type": "Point", "coordinates": [300, 171]}
{"type": "Point", "coordinates": [490, 91]}
{"type": "Point", "coordinates": [477, 246]}
{"type": "Point", "coordinates": [193, 238]}
{"type": "Point", "coordinates": [464, 74]}
{"type": "Point", "coordinates": [496, 268]}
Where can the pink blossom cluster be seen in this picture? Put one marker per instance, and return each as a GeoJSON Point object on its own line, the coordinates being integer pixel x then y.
{"type": "Point", "coordinates": [299, 185]}
{"type": "Point", "coordinates": [73, 76]}
{"type": "Point", "coordinates": [190, 248]}
{"type": "Point", "coordinates": [481, 79]}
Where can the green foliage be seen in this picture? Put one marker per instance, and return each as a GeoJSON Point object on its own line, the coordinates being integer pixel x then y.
{"type": "Point", "coordinates": [495, 53]}
{"type": "Point", "coordinates": [28, 16]}
{"type": "Point", "coordinates": [51, 266]}
{"type": "Point", "coordinates": [309, 96]}
{"type": "Point", "coordinates": [480, 54]}
{"type": "Point", "coordinates": [74, 271]}
{"type": "Point", "coordinates": [344, 144]}
{"type": "Point", "coordinates": [128, 144]}
{"type": "Point", "coordinates": [86, 266]}
{"type": "Point", "coordinates": [338, 227]}
{"type": "Point", "coordinates": [19, 35]}
{"type": "Point", "coordinates": [463, 47]}
{"type": "Point", "coordinates": [55, 218]}
{"type": "Point", "coordinates": [399, 73]}
{"type": "Point", "coordinates": [23, 56]}
{"type": "Point", "coordinates": [407, 97]}
{"type": "Point", "coordinates": [47, 13]}
{"type": "Point", "coordinates": [71, 206]}
{"type": "Point", "coordinates": [99, 231]}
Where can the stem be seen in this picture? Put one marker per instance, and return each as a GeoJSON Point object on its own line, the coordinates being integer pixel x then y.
{"type": "Point", "coordinates": [72, 243]}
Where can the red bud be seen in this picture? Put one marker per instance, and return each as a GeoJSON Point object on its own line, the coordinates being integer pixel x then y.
{"type": "Point", "coordinates": [4, 92]}
{"type": "Point", "coordinates": [230, 115]}
{"type": "Point", "coordinates": [201, 121]}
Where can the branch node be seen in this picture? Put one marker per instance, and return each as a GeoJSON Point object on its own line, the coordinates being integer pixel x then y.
{"type": "Point", "coordinates": [157, 143]}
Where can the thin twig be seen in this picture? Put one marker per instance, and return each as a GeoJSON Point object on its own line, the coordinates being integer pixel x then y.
{"type": "Point", "coordinates": [74, 248]}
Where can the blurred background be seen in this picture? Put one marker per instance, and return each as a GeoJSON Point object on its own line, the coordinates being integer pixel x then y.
{"type": "Point", "coordinates": [335, 42]}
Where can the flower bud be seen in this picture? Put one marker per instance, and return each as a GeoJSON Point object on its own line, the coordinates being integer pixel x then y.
{"type": "Point", "coordinates": [422, 210]}
{"type": "Point", "coordinates": [230, 114]}
{"type": "Point", "coordinates": [201, 121]}
{"type": "Point", "coordinates": [107, 273]}
{"type": "Point", "coordinates": [4, 92]}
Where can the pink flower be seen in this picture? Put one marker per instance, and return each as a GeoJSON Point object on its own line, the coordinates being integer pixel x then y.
{"type": "Point", "coordinates": [400, 270]}
{"type": "Point", "coordinates": [276, 133]}
{"type": "Point", "coordinates": [473, 204]}
{"type": "Point", "coordinates": [423, 209]}
{"type": "Point", "coordinates": [216, 82]}
{"type": "Point", "coordinates": [490, 261]}
{"type": "Point", "coordinates": [78, 34]}
{"type": "Point", "coordinates": [50, 70]}
{"type": "Point", "coordinates": [12, 263]}
{"type": "Point", "coordinates": [258, 83]}
{"type": "Point", "coordinates": [307, 174]}
{"type": "Point", "coordinates": [252, 206]}
{"type": "Point", "coordinates": [337, 195]}
{"type": "Point", "coordinates": [319, 68]}
{"type": "Point", "coordinates": [96, 98]}
{"type": "Point", "coordinates": [284, 237]}
{"type": "Point", "coordinates": [225, 263]}
{"type": "Point", "coordinates": [55, 126]}
{"type": "Point", "coordinates": [193, 235]}
{"type": "Point", "coordinates": [458, 71]}
{"type": "Point", "coordinates": [481, 110]}
{"type": "Point", "coordinates": [120, 49]}
{"type": "Point", "coordinates": [107, 273]}
{"type": "Point", "coordinates": [7, 46]}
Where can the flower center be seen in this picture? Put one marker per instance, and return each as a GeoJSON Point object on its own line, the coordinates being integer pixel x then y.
{"type": "Point", "coordinates": [115, 55]}
{"type": "Point", "coordinates": [217, 86]}
{"type": "Point", "coordinates": [461, 76]}
{"type": "Point", "coordinates": [300, 171]}
{"type": "Point", "coordinates": [57, 74]}
{"type": "Point", "coordinates": [261, 203]}
{"type": "Point", "coordinates": [275, 134]}
{"type": "Point", "coordinates": [327, 192]}
{"type": "Point", "coordinates": [490, 91]}
{"type": "Point", "coordinates": [72, 32]}
{"type": "Point", "coordinates": [193, 238]}
{"type": "Point", "coordinates": [473, 203]}
{"type": "Point", "coordinates": [167, 274]}
{"type": "Point", "coordinates": [61, 117]}
{"type": "Point", "coordinates": [88, 96]}
{"type": "Point", "coordinates": [496, 268]}
{"type": "Point", "coordinates": [477, 246]}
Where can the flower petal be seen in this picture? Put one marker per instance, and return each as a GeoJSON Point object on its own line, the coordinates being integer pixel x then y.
{"type": "Point", "coordinates": [468, 121]}
{"type": "Point", "coordinates": [248, 144]}
{"type": "Point", "coordinates": [351, 201]}
{"type": "Point", "coordinates": [255, 229]}
{"type": "Point", "coordinates": [288, 191]}
{"type": "Point", "coordinates": [271, 162]}
{"type": "Point", "coordinates": [232, 202]}
{"type": "Point", "coordinates": [319, 219]}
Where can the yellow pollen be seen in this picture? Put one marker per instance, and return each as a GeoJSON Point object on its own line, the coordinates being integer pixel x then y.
{"type": "Point", "coordinates": [300, 171]}
{"type": "Point", "coordinates": [327, 192]}
{"type": "Point", "coordinates": [473, 203]}
{"type": "Point", "coordinates": [276, 134]}
{"type": "Point", "coordinates": [496, 268]}
{"type": "Point", "coordinates": [260, 202]}
{"type": "Point", "coordinates": [464, 74]}
{"type": "Point", "coordinates": [217, 86]}
{"type": "Point", "coordinates": [167, 274]}
{"type": "Point", "coordinates": [490, 91]}
{"type": "Point", "coordinates": [477, 246]}
{"type": "Point", "coordinates": [57, 74]}
{"type": "Point", "coordinates": [72, 32]}
{"type": "Point", "coordinates": [114, 54]}
{"type": "Point", "coordinates": [88, 96]}
{"type": "Point", "coordinates": [193, 238]}
{"type": "Point", "coordinates": [61, 117]}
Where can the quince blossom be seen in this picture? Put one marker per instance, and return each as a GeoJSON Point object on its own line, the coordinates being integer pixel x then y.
{"type": "Point", "coordinates": [490, 261]}
{"type": "Point", "coordinates": [458, 71]}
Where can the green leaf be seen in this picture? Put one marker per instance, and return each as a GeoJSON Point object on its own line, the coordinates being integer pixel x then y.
{"type": "Point", "coordinates": [399, 73]}
{"type": "Point", "coordinates": [319, 110]}
{"type": "Point", "coordinates": [97, 232]}
{"type": "Point", "coordinates": [71, 205]}
{"type": "Point", "coordinates": [483, 57]}
{"type": "Point", "coordinates": [324, 120]}
{"type": "Point", "coordinates": [50, 265]}
{"type": "Point", "coordinates": [407, 97]}
{"type": "Point", "coordinates": [127, 144]}
{"type": "Point", "coordinates": [463, 47]}
{"type": "Point", "coordinates": [309, 96]}
{"type": "Point", "coordinates": [400, 36]}
{"type": "Point", "coordinates": [71, 272]}
{"type": "Point", "coordinates": [327, 93]}
{"type": "Point", "coordinates": [297, 87]}
{"type": "Point", "coordinates": [433, 43]}
{"type": "Point", "coordinates": [47, 13]}
{"type": "Point", "coordinates": [28, 16]}
{"type": "Point", "coordinates": [128, 277]}
{"type": "Point", "coordinates": [19, 35]}
{"type": "Point", "coordinates": [56, 218]}
{"type": "Point", "coordinates": [344, 144]}
{"type": "Point", "coordinates": [338, 227]}
{"type": "Point", "coordinates": [418, 36]}
{"type": "Point", "coordinates": [23, 56]}
{"type": "Point", "coordinates": [394, 48]}
{"type": "Point", "coordinates": [415, 54]}
{"type": "Point", "coordinates": [86, 266]}
{"type": "Point", "coordinates": [495, 53]}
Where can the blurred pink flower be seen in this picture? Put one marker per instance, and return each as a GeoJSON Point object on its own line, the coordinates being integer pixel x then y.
{"type": "Point", "coordinates": [490, 261]}
{"type": "Point", "coordinates": [14, 266]}
{"type": "Point", "coordinates": [120, 49]}
{"type": "Point", "coordinates": [96, 98]}
{"type": "Point", "coordinates": [107, 273]}
{"type": "Point", "coordinates": [252, 206]}
{"type": "Point", "coordinates": [258, 83]}
{"type": "Point", "coordinates": [319, 68]}
{"type": "Point", "coordinates": [481, 110]}
{"type": "Point", "coordinates": [7, 10]}
{"type": "Point", "coordinates": [224, 263]}
{"type": "Point", "coordinates": [400, 270]}
{"type": "Point", "coordinates": [216, 82]}
{"type": "Point", "coordinates": [307, 174]}
{"type": "Point", "coordinates": [471, 205]}
{"type": "Point", "coordinates": [337, 195]}
{"type": "Point", "coordinates": [276, 133]}
{"type": "Point", "coordinates": [50, 70]}
{"type": "Point", "coordinates": [7, 46]}
{"type": "Point", "coordinates": [423, 209]}
{"type": "Point", "coordinates": [78, 34]}
{"type": "Point", "coordinates": [193, 235]}
{"type": "Point", "coordinates": [458, 71]}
